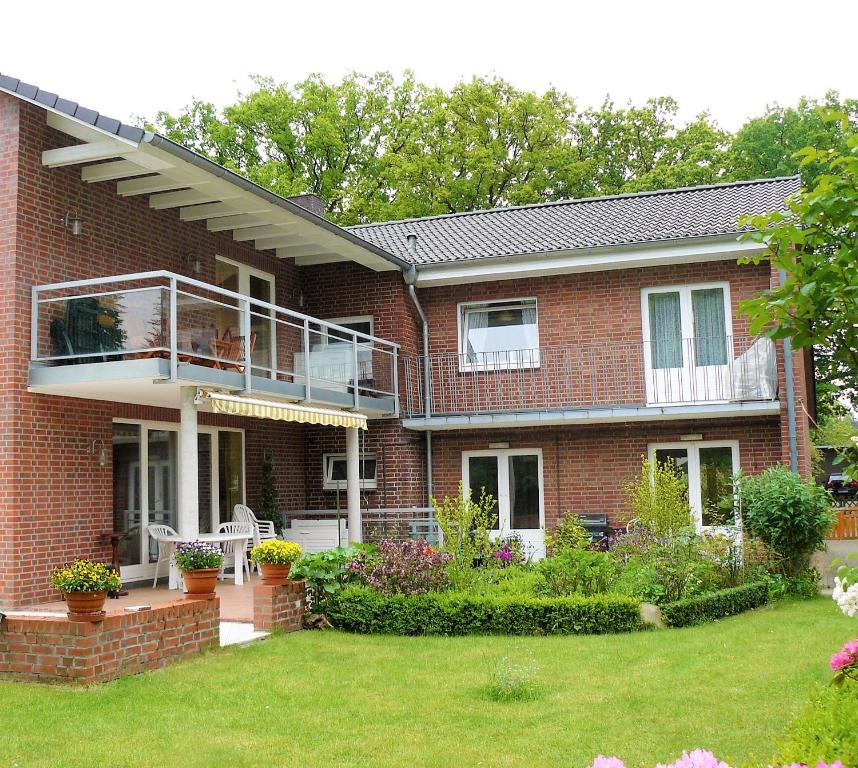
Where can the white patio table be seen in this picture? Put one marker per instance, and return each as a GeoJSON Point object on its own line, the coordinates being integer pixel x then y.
{"type": "Point", "coordinates": [240, 540]}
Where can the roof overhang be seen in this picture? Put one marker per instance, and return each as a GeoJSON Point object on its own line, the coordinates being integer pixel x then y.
{"type": "Point", "coordinates": [627, 256]}
{"type": "Point", "coordinates": [174, 177]}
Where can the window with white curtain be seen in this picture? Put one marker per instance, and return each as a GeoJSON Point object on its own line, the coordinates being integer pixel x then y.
{"type": "Point", "coordinates": [499, 334]}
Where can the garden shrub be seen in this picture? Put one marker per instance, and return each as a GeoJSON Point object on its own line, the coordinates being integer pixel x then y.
{"type": "Point", "coordinates": [826, 731]}
{"type": "Point", "coordinates": [364, 610]}
{"type": "Point", "coordinates": [465, 525]}
{"type": "Point", "coordinates": [402, 567]}
{"type": "Point", "coordinates": [506, 551]}
{"type": "Point", "coordinates": [567, 534]}
{"type": "Point", "coordinates": [324, 573]}
{"type": "Point", "coordinates": [717, 605]}
{"type": "Point", "coordinates": [791, 514]}
{"type": "Point", "coordinates": [658, 498]}
{"type": "Point", "coordinates": [576, 572]}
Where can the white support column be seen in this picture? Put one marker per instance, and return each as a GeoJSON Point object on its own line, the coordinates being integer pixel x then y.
{"type": "Point", "coordinates": [353, 485]}
{"type": "Point", "coordinates": [189, 521]}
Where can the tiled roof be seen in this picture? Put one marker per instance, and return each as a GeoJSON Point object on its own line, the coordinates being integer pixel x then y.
{"type": "Point", "coordinates": [644, 217]}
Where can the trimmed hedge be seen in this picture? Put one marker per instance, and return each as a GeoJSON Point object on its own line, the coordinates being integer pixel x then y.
{"type": "Point", "coordinates": [364, 610]}
{"type": "Point", "coordinates": [725, 602]}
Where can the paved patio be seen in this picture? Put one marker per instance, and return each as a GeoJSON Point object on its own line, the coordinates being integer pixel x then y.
{"type": "Point", "coordinates": [236, 603]}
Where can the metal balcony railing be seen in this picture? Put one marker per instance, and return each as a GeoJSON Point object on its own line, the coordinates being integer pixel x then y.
{"type": "Point", "coordinates": [603, 374]}
{"type": "Point", "coordinates": [165, 315]}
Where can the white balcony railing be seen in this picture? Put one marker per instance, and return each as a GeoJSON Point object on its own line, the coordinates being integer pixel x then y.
{"type": "Point", "coordinates": [607, 374]}
{"type": "Point", "coordinates": [182, 320]}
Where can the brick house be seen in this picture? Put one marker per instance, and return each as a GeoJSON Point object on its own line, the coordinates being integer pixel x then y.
{"type": "Point", "coordinates": [168, 323]}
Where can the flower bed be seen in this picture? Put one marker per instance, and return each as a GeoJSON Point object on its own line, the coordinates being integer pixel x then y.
{"type": "Point", "coordinates": [365, 610]}
{"type": "Point", "coordinates": [717, 605]}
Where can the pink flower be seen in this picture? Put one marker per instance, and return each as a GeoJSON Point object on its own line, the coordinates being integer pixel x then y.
{"type": "Point", "coordinates": [845, 657]}
{"type": "Point", "coordinates": [607, 762]}
{"type": "Point", "coordinates": [699, 758]}
{"type": "Point", "coordinates": [836, 763]}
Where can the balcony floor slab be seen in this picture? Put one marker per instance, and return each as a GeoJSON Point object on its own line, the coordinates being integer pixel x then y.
{"type": "Point", "coordinates": [605, 415]}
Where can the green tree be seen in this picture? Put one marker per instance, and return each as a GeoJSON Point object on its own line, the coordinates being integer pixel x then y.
{"type": "Point", "coordinates": [766, 146]}
{"type": "Point", "coordinates": [816, 242]}
{"type": "Point", "coordinates": [269, 498]}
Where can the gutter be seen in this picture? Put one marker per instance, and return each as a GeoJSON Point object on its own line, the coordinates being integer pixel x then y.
{"type": "Point", "coordinates": [789, 378]}
{"type": "Point", "coordinates": [188, 156]}
{"type": "Point", "coordinates": [410, 277]}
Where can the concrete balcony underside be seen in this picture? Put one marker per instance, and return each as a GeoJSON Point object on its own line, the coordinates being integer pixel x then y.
{"type": "Point", "coordinates": [147, 382]}
{"type": "Point", "coordinates": [598, 415]}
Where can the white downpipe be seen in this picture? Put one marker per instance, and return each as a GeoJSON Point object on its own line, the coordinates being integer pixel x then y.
{"type": "Point", "coordinates": [189, 521]}
{"type": "Point", "coordinates": [353, 485]}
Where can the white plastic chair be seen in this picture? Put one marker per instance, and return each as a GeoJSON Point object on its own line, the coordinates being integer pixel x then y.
{"type": "Point", "coordinates": [263, 530]}
{"type": "Point", "coordinates": [159, 533]}
{"type": "Point", "coordinates": [239, 555]}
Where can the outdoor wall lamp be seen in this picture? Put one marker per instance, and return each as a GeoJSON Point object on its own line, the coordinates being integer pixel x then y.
{"type": "Point", "coordinates": [73, 222]}
{"type": "Point", "coordinates": [102, 454]}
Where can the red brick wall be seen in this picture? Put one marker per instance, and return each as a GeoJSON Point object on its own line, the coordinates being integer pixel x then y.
{"type": "Point", "coordinates": [279, 607]}
{"type": "Point", "coordinates": [55, 500]}
{"type": "Point", "coordinates": [59, 650]}
{"type": "Point", "coordinates": [586, 469]}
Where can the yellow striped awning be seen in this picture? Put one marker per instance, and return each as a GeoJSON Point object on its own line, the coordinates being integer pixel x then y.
{"type": "Point", "coordinates": [235, 405]}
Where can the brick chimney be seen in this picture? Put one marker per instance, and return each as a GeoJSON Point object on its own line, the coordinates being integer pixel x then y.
{"type": "Point", "coordinates": [310, 202]}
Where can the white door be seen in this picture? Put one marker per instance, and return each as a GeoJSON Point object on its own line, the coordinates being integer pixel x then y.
{"type": "Point", "coordinates": [513, 477]}
{"type": "Point", "coordinates": [688, 344]}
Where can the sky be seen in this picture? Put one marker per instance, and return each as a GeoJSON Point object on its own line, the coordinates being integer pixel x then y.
{"type": "Point", "coordinates": [730, 58]}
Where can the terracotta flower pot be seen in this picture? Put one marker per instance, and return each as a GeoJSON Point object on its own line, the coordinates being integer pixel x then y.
{"type": "Point", "coordinates": [275, 574]}
{"type": "Point", "coordinates": [85, 606]}
{"type": "Point", "coordinates": [200, 582]}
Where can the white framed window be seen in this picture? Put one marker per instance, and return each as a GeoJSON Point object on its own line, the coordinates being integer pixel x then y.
{"type": "Point", "coordinates": [708, 468]}
{"type": "Point", "coordinates": [359, 323]}
{"type": "Point", "coordinates": [688, 342]}
{"type": "Point", "coordinates": [498, 334]}
{"type": "Point", "coordinates": [334, 468]}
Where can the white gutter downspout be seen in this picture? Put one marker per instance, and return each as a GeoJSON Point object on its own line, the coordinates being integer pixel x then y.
{"type": "Point", "coordinates": [789, 378]}
{"type": "Point", "coordinates": [410, 276]}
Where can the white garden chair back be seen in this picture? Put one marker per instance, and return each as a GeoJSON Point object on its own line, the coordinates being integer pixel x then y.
{"type": "Point", "coordinates": [159, 534]}
{"type": "Point", "coordinates": [263, 530]}
{"type": "Point", "coordinates": [237, 553]}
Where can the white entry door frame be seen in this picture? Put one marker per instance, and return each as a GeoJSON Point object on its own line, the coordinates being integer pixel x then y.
{"type": "Point", "coordinates": [504, 470]}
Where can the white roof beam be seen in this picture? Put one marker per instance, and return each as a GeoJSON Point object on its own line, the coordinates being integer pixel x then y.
{"type": "Point", "coordinates": [295, 251]}
{"type": "Point", "coordinates": [209, 211]}
{"type": "Point", "coordinates": [318, 258]}
{"type": "Point", "coordinates": [120, 169]}
{"type": "Point", "coordinates": [149, 185]}
{"type": "Point", "coordinates": [269, 230]}
{"type": "Point", "coordinates": [183, 197]}
{"type": "Point", "coordinates": [237, 222]}
{"type": "Point", "coordinates": [82, 153]}
{"type": "Point", "coordinates": [265, 243]}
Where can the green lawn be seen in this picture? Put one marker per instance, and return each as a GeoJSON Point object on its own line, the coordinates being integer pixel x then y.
{"type": "Point", "coordinates": [329, 699]}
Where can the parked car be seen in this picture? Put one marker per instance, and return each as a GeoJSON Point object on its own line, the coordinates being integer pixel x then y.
{"type": "Point", "coordinates": [842, 486]}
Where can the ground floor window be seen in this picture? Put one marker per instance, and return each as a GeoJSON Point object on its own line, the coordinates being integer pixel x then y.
{"type": "Point", "coordinates": [334, 465]}
{"type": "Point", "coordinates": [146, 480]}
{"type": "Point", "coordinates": [708, 469]}
{"type": "Point", "coordinates": [513, 478]}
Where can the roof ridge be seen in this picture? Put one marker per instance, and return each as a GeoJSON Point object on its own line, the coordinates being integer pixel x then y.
{"type": "Point", "coordinates": [578, 200]}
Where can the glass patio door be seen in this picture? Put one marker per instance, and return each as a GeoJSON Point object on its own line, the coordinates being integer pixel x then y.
{"type": "Point", "coordinates": [513, 478]}
{"type": "Point", "coordinates": [146, 485]}
{"type": "Point", "coordinates": [687, 344]}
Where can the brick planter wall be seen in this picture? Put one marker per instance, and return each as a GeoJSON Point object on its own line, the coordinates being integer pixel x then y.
{"type": "Point", "coordinates": [278, 607]}
{"type": "Point", "coordinates": [58, 650]}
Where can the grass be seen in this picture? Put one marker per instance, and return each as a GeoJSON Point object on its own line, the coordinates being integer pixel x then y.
{"type": "Point", "coordinates": [330, 699]}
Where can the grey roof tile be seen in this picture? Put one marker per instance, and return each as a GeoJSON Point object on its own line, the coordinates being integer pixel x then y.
{"type": "Point", "coordinates": [645, 217]}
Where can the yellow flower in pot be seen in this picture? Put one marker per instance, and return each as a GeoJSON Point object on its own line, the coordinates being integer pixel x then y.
{"type": "Point", "coordinates": [275, 558]}
{"type": "Point", "coordinates": [84, 585]}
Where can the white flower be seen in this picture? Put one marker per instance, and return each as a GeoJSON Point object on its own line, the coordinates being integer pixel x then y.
{"type": "Point", "coordinates": [846, 597]}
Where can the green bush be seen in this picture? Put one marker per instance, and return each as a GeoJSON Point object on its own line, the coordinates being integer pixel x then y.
{"type": "Point", "coordinates": [360, 609]}
{"type": "Point", "coordinates": [791, 514]}
{"type": "Point", "coordinates": [567, 534]}
{"type": "Point", "coordinates": [658, 498]}
{"type": "Point", "coordinates": [826, 731]}
{"type": "Point", "coordinates": [576, 572]}
{"type": "Point", "coordinates": [717, 605]}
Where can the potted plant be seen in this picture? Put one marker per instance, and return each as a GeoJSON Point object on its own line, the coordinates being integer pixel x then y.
{"type": "Point", "coordinates": [200, 564]}
{"type": "Point", "coordinates": [84, 585]}
{"type": "Point", "coordinates": [275, 558]}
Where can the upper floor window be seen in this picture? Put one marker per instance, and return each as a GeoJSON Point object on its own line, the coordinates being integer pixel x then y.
{"type": "Point", "coordinates": [499, 334]}
{"type": "Point", "coordinates": [336, 470]}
